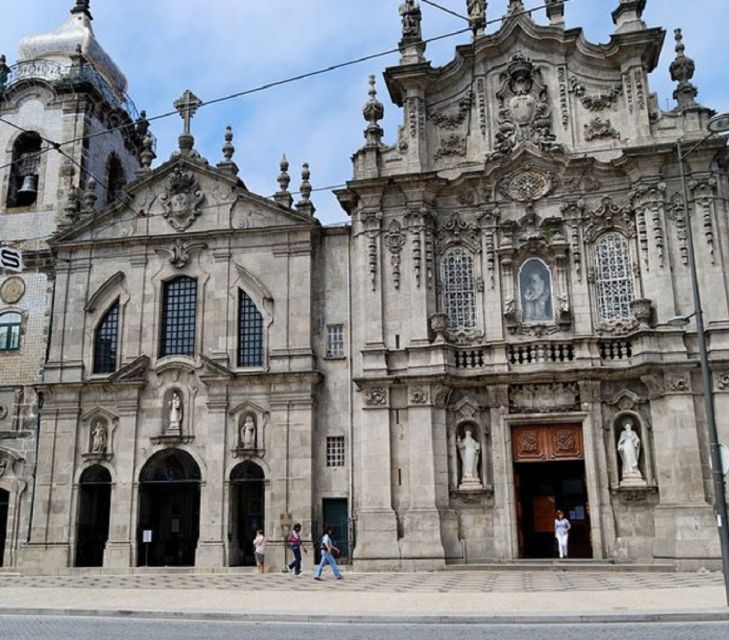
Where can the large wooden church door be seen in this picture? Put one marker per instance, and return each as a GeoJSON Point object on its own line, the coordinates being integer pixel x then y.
{"type": "Point", "coordinates": [549, 474]}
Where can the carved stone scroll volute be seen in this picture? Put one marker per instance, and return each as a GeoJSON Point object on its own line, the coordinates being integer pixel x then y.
{"type": "Point", "coordinates": [395, 240]}
{"type": "Point", "coordinates": [704, 193]}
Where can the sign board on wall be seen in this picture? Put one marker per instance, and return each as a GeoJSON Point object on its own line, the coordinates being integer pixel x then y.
{"type": "Point", "coordinates": [11, 259]}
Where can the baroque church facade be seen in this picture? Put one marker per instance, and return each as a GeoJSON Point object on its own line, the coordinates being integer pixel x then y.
{"type": "Point", "coordinates": [488, 340]}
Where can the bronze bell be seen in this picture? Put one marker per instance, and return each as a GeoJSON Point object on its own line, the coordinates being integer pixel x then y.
{"type": "Point", "coordinates": [29, 186]}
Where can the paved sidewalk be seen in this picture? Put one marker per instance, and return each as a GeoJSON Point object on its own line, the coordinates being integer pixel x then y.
{"type": "Point", "coordinates": [415, 596]}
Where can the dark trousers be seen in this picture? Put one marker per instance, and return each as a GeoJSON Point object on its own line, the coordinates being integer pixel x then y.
{"type": "Point", "coordinates": [295, 564]}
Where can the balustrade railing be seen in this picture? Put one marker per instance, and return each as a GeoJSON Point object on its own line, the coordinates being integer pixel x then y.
{"type": "Point", "coordinates": [540, 353]}
{"type": "Point", "coordinates": [615, 349]}
{"type": "Point", "coordinates": [470, 359]}
{"type": "Point", "coordinates": [56, 73]}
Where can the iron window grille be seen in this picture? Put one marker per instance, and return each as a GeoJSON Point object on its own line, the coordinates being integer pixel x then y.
{"type": "Point", "coordinates": [179, 317]}
{"type": "Point", "coordinates": [335, 341]}
{"type": "Point", "coordinates": [613, 277]}
{"type": "Point", "coordinates": [106, 341]}
{"type": "Point", "coordinates": [459, 288]}
{"type": "Point", "coordinates": [10, 324]}
{"type": "Point", "coordinates": [335, 451]}
{"type": "Point", "coordinates": [250, 332]}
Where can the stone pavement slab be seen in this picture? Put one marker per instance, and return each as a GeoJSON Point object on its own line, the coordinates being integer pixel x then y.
{"type": "Point", "coordinates": [415, 596]}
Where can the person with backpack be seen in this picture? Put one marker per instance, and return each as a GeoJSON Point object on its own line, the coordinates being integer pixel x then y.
{"type": "Point", "coordinates": [296, 547]}
{"type": "Point", "coordinates": [328, 550]}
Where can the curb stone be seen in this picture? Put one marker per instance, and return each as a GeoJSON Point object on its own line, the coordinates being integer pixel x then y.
{"type": "Point", "coordinates": [717, 615]}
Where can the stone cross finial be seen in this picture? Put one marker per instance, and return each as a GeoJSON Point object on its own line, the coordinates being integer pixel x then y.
{"type": "Point", "coordinates": [682, 69]}
{"type": "Point", "coordinates": [187, 105]}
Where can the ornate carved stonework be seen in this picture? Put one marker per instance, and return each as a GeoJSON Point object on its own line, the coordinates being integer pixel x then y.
{"type": "Point", "coordinates": [376, 396]}
{"type": "Point", "coordinates": [180, 253]}
{"type": "Point", "coordinates": [528, 184]}
{"type": "Point", "coordinates": [395, 241]}
{"type": "Point", "coordinates": [595, 101]}
{"type": "Point", "coordinates": [524, 116]}
{"type": "Point", "coordinates": [678, 383]}
{"type": "Point", "coordinates": [418, 395]}
{"type": "Point", "coordinates": [544, 398]}
{"type": "Point", "coordinates": [452, 118]}
{"type": "Point", "coordinates": [608, 215]}
{"type": "Point", "coordinates": [599, 129]}
{"type": "Point", "coordinates": [182, 199]}
{"type": "Point", "coordinates": [721, 381]}
{"type": "Point", "coordinates": [533, 443]}
{"type": "Point", "coordinates": [12, 290]}
{"type": "Point", "coordinates": [456, 230]}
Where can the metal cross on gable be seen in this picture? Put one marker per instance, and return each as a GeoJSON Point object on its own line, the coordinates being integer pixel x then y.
{"type": "Point", "coordinates": [187, 105]}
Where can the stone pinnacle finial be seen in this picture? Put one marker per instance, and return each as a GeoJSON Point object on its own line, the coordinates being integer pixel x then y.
{"type": "Point", "coordinates": [147, 154]}
{"type": "Point", "coordinates": [226, 165]}
{"type": "Point", "coordinates": [283, 196]}
{"type": "Point", "coordinates": [515, 6]}
{"type": "Point", "coordinates": [84, 7]}
{"type": "Point", "coordinates": [476, 10]}
{"type": "Point", "coordinates": [373, 111]}
{"type": "Point", "coordinates": [682, 69]}
{"type": "Point", "coordinates": [305, 205]}
{"type": "Point", "coordinates": [90, 196]}
{"type": "Point", "coordinates": [627, 16]}
{"type": "Point", "coordinates": [4, 72]}
{"type": "Point", "coordinates": [555, 12]}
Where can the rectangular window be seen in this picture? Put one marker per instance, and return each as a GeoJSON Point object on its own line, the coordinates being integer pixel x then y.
{"type": "Point", "coordinates": [10, 331]}
{"type": "Point", "coordinates": [335, 451]}
{"type": "Point", "coordinates": [250, 332]}
{"type": "Point", "coordinates": [179, 317]}
{"type": "Point", "coordinates": [335, 341]}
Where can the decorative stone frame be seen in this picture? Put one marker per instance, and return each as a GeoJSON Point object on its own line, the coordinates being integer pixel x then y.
{"type": "Point", "coordinates": [114, 289]}
{"type": "Point", "coordinates": [11, 481]}
{"type": "Point", "coordinates": [168, 273]}
{"type": "Point", "coordinates": [468, 414]}
{"type": "Point", "coordinates": [263, 299]}
{"type": "Point", "coordinates": [456, 232]}
{"type": "Point", "coordinates": [261, 418]}
{"type": "Point", "coordinates": [87, 423]}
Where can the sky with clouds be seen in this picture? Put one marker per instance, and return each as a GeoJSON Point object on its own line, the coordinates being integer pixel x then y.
{"type": "Point", "coordinates": [218, 47]}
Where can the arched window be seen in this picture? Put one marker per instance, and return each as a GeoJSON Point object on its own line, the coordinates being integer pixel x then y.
{"type": "Point", "coordinates": [23, 187]}
{"type": "Point", "coordinates": [179, 310]}
{"type": "Point", "coordinates": [613, 277]}
{"type": "Point", "coordinates": [459, 288]}
{"type": "Point", "coordinates": [115, 178]}
{"type": "Point", "coordinates": [10, 331]}
{"type": "Point", "coordinates": [250, 332]}
{"type": "Point", "coordinates": [106, 341]}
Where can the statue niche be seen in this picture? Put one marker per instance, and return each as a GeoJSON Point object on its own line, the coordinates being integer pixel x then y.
{"type": "Point", "coordinates": [535, 292]}
{"type": "Point", "coordinates": [469, 454]}
{"type": "Point", "coordinates": [629, 449]}
{"type": "Point", "coordinates": [247, 432]}
{"type": "Point", "coordinates": [524, 116]}
{"type": "Point", "coordinates": [173, 413]}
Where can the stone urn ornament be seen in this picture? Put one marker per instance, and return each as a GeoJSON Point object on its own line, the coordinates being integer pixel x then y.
{"type": "Point", "coordinates": [439, 324]}
{"type": "Point", "coordinates": [641, 310]}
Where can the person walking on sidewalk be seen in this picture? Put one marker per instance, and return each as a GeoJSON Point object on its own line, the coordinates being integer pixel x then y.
{"type": "Point", "coordinates": [259, 550]}
{"type": "Point", "coordinates": [328, 551]}
{"type": "Point", "coordinates": [296, 547]}
{"type": "Point", "coordinates": [561, 532]}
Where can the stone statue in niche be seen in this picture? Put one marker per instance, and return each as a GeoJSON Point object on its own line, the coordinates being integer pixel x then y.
{"type": "Point", "coordinates": [535, 288]}
{"type": "Point", "coordinates": [469, 449]}
{"type": "Point", "coordinates": [629, 450]}
{"type": "Point", "coordinates": [175, 417]}
{"type": "Point", "coordinates": [248, 433]}
{"type": "Point", "coordinates": [99, 438]}
{"type": "Point", "coordinates": [411, 17]}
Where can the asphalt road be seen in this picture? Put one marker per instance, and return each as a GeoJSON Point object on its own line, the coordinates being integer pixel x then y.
{"type": "Point", "coordinates": [57, 628]}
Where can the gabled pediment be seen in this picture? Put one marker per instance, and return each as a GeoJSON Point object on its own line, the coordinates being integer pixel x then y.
{"type": "Point", "coordinates": [135, 371]}
{"type": "Point", "coordinates": [182, 196]}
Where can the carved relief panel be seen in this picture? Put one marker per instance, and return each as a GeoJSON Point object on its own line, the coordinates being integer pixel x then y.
{"type": "Point", "coordinates": [533, 443]}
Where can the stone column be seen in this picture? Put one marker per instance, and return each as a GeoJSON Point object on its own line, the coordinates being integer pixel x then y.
{"type": "Point", "coordinates": [505, 542]}
{"type": "Point", "coordinates": [421, 546]}
{"type": "Point", "coordinates": [377, 540]}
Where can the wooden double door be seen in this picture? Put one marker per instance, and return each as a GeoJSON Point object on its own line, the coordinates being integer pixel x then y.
{"type": "Point", "coordinates": [549, 475]}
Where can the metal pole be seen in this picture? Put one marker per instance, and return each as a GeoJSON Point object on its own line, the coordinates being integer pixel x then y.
{"type": "Point", "coordinates": [708, 389]}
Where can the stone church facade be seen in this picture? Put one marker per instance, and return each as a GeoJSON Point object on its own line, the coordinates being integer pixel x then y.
{"type": "Point", "coordinates": [485, 343]}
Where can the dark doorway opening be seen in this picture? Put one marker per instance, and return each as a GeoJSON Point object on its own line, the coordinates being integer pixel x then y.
{"type": "Point", "coordinates": [335, 514]}
{"type": "Point", "coordinates": [92, 526]}
{"type": "Point", "coordinates": [246, 512]}
{"type": "Point", "coordinates": [169, 508]}
{"type": "Point", "coordinates": [543, 488]}
{"type": "Point", "coordinates": [4, 505]}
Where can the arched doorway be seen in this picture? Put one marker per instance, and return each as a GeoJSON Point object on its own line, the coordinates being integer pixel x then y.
{"type": "Point", "coordinates": [92, 526]}
{"type": "Point", "coordinates": [246, 511]}
{"type": "Point", "coordinates": [169, 508]}
{"type": "Point", "coordinates": [4, 503]}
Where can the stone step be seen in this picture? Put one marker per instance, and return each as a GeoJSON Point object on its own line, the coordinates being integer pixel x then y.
{"type": "Point", "coordinates": [570, 564]}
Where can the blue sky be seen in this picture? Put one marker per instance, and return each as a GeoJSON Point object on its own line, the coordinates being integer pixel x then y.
{"type": "Point", "coordinates": [219, 47]}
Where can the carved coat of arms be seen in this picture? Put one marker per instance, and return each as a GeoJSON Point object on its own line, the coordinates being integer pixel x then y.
{"type": "Point", "coordinates": [182, 199]}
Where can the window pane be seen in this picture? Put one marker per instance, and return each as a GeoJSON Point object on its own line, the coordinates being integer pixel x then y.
{"type": "Point", "coordinates": [105, 342]}
{"type": "Point", "coordinates": [178, 317]}
{"type": "Point", "coordinates": [335, 451]}
{"type": "Point", "coordinates": [613, 277]}
{"type": "Point", "coordinates": [10, 331]}
{"type": "Point", "coordinates": [335, 341]}
{"type": "Point", "coordinates": [250, 333]}
{"type": "Point", "coordinates": [459, 291]}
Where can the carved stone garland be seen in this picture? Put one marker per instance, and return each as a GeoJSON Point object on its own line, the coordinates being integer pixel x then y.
{"type": "Point", "coordinates": [573, 212]}
{"type": "Point", "coordinates": [395, 240]}
{"type": "Point", "coordinates": [371, 224]}
{"type": "Point", "coordinates": [704, 192]}
{"type": "Point", "coordinates": [650, 201]}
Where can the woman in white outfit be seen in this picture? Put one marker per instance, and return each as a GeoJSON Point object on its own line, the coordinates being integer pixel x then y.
{"type": "Point", "coordinates": [561, 532]}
